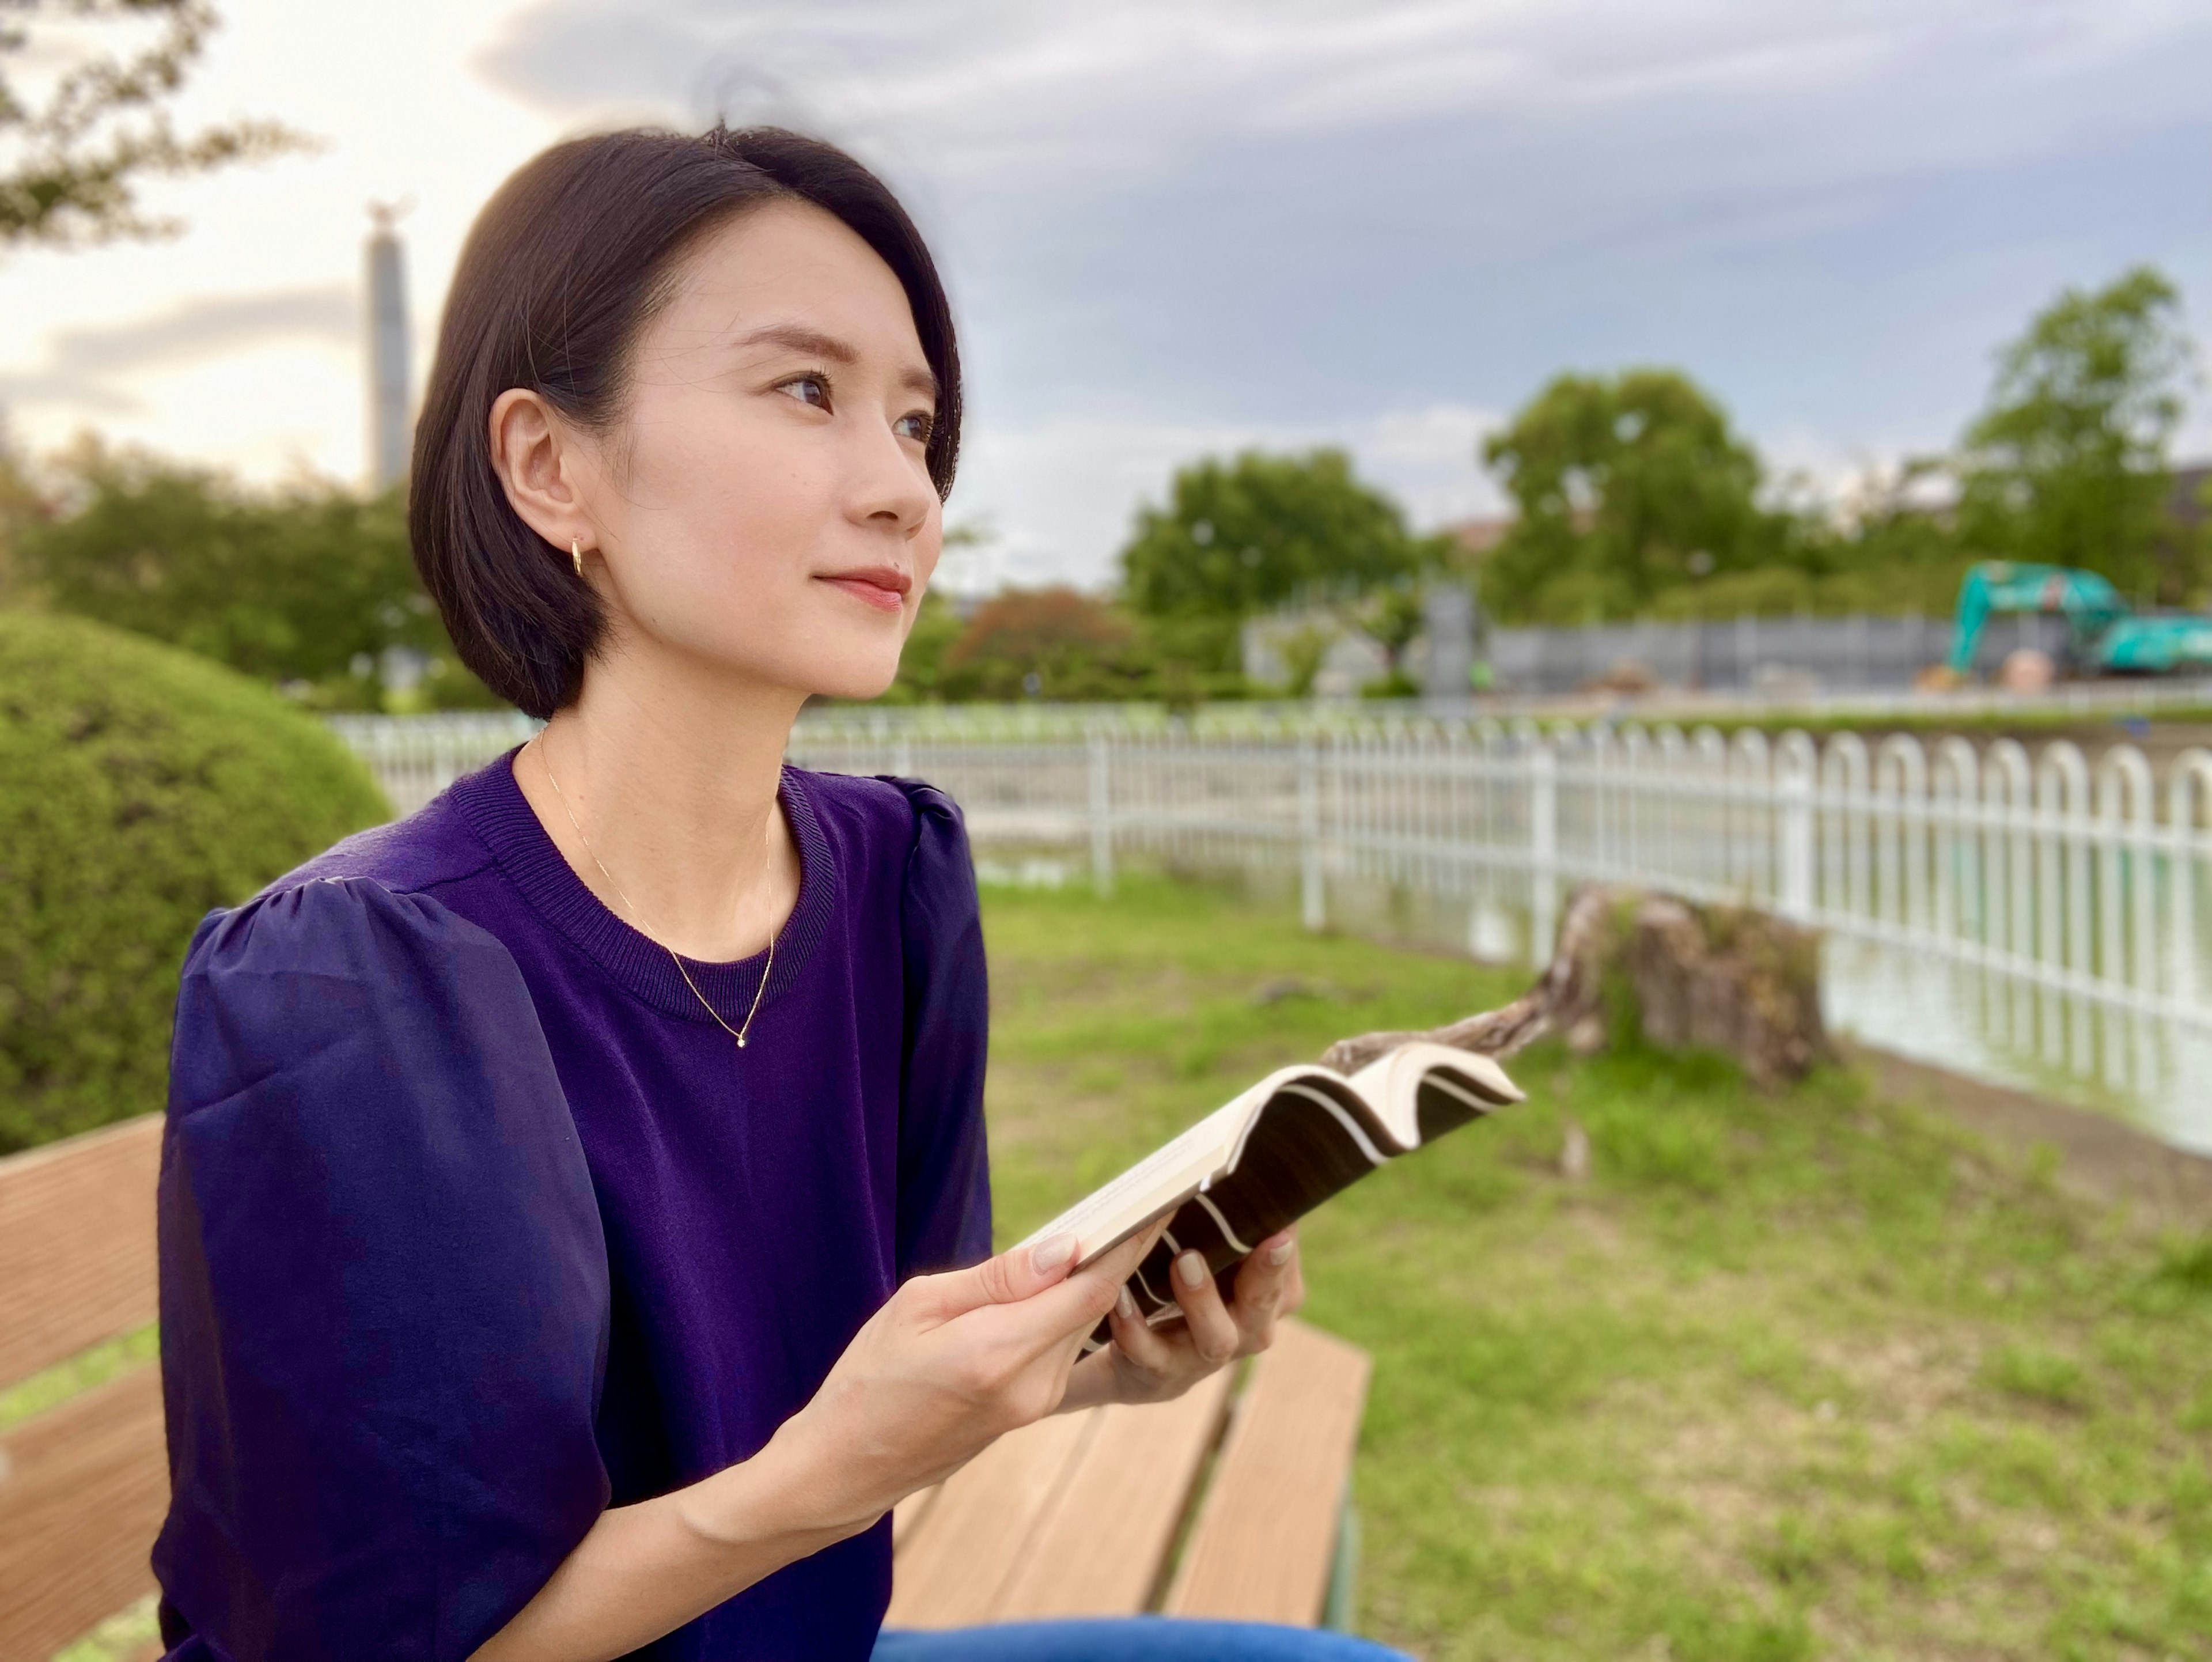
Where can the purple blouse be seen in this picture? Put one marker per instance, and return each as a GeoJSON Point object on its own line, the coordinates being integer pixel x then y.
{"type": "Point", "coordinates": [473, 1222]}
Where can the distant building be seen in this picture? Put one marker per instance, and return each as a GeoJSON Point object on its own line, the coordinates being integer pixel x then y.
{"type": "Point", "coordinates": [2192, 494]}
{"type": "Point", "coordinates": [391, 425]}
{"type": "Point", "coordinates": [1476, 537]}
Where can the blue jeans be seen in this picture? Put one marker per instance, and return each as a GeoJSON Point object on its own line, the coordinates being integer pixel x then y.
{"type": "Point", "coordinates": [1130, 1639]}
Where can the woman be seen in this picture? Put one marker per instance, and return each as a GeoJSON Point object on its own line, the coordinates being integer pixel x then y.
{"type": "Point", "coordinates": [574, 1216]}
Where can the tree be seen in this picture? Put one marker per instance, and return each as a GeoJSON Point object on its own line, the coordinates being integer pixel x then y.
{"type": "Point", "coordinates": [72, 163]}
{"type": "Point", "coordinates": [1262, 531]}
{"type": "Point", "coordinates": [307, 587]}
{"type": "Point", "coordinates": [1627, 485]}
{"type": "Point", "coordinates": [1305, 654]}
{"type": "Point", "coordinates": [1050, 644]}
{"type": "Point", "coordinates": [20, 507]}
{"type": "Point", "coordinates": [2068, 464]}
{"type": "Point", "coordinates": [1393, 616]}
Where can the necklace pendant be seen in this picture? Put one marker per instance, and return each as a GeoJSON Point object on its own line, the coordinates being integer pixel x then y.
{"type": "Point", "coordinates": [741, 1041]}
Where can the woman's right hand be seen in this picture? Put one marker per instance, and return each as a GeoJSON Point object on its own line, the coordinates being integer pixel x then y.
{"type": "Point", "coordinates": [949, 1365]}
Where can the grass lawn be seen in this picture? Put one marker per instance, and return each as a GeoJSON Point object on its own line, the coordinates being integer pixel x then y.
{"type": "Point", "coordinates": [1812, 1375]}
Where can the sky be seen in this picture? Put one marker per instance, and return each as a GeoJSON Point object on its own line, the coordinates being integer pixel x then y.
{"type": "Point", "coordinates": [1175, 228]}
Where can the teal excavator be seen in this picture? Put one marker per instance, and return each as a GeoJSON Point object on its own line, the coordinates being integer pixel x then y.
{"type": "Point", "coordinates": [2104, 635]}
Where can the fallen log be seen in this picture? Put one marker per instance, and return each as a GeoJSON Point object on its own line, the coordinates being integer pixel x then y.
{"type": "Point", "coordinates": [1688, 977]}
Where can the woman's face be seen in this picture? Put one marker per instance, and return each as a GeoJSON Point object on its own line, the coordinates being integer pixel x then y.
{"type": "Point", "coordinates": [763, 506]}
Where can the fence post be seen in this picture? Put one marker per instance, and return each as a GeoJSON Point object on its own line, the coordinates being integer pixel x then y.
{"type": "Point", "coordinates": [1543, 851]}
{"type": "Point", "coordinates": [1795, 855]}
{"type": "Point", "coordinates": [1101, 817]}
{"type": "Point", "coordinates": [1313, 893]}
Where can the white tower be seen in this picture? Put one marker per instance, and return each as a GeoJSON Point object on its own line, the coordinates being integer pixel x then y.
{"type": "Point", "coordinates": [390, 434]}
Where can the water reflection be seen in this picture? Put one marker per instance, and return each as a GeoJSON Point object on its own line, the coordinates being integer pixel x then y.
{"type": "Point", "coordinates": [2148, 1070]}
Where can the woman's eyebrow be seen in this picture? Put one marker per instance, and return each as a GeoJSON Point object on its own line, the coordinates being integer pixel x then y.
{"type": "Point", "coordinates": [798, 338]}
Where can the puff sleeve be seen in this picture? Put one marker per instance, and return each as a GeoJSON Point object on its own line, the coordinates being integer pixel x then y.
{"type": "Point", "coordinates": [384, 1288]}
{"type": "Point", "coordinates": [944, 1167]}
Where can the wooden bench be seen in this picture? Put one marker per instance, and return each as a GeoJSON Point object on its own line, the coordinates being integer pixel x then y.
{"type": "Point", "coordinates": [1083, 1514]}
{"type": "Point", "coordinates": [1230, 1502]}
{"type": "Point", "coordinates": [84, 1484]}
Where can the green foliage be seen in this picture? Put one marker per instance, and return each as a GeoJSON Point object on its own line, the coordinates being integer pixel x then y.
{"type": "Point", "coordinates": [1045, 643]}
{"type": "Point", "coordinates": [1392, 615]}
{"type": "Point", "coordinates": [1057, 643]}
{"type": "Point", "coordinates": [20, 507]}
{"type": "Point", "coordinates": [70, 166]}
{"type": "Point", "coordinates": [1304, 650]}
{"type": "Point", "coordinates": [1627, 485]}
{"type": "Point", "coordinates": [139, 786]}
{"type": "Point", "coordinates": [2068, 466]}
{"type": "Point", "coordinates": [1259, 531]}
{"type": "Point", "coordinates": [306, 588]}
{"type": "Point", "coordinates": [1637, 500]}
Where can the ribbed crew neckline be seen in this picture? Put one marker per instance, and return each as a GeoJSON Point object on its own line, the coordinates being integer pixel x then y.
{"type": "Point", "coordinates": [492, 802]}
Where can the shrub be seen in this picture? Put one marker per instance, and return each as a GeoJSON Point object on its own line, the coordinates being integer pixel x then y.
{"type": "Point", "coordinates": [311, 587]}
{"type": "Point", "coordinates": [139, 786]}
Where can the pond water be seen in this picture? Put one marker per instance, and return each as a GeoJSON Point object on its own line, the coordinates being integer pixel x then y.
{"type": "Point", "coordinates": [2152, 1072]}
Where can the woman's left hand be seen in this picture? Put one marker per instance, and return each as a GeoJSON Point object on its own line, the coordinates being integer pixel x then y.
{"type": "Point", "coordinates": [1152, 1364]}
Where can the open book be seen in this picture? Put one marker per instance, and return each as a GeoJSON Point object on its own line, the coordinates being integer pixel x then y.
{"type": "Point", "coordinates": [1275, 1154]}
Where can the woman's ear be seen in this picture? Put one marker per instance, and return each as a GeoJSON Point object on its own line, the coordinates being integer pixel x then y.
{"type": "Point", "coordinates": [538, 459]}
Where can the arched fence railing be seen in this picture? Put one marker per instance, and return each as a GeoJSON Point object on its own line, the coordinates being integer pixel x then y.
{"type": "Point", "coordinates": [2046, 875]}
{"type": "Point", "coordinates": [2086, 878]}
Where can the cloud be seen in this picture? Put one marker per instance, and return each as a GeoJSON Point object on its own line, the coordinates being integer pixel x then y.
{"type": "Point", "coordinates": [89, 370]}
{"type": "Point", "coordinates": [1177, 227]}
{"type": "Point", "coordinates": [1180, 227]}
{"type": "Point", "coordinates": [984, 88]}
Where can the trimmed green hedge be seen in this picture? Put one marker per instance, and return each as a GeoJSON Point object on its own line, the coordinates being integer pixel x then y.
{"type": "Point", "coordinates": [139, 786]}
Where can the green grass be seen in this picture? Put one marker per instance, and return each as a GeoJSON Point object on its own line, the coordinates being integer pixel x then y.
{"type": "Point", "coordinates": [82, 1371]}
{"type": "Point", "coordinates": [2119, 722]}
{"type": "Point", "coordinates": [133, 1632]}
{"type": "Point", "coordinates": [1803, 1376]}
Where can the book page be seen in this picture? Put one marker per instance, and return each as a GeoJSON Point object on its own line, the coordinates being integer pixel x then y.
{"type": "Point", "coordinates": [1163, 1176]}
{"type": "Point", "coordinates": [1422, 1089]}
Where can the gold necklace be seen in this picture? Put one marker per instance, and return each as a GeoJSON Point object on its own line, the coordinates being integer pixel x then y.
{"type": "Point", "coordinates": [767, 970]}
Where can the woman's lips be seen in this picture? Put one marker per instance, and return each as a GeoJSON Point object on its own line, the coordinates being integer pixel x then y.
{"type": "Point", "coordinates": [885, 591]}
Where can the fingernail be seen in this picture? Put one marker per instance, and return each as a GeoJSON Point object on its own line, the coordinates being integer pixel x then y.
{"type": "Point", "coordinates": [1192, 1268]}
{"type": "Point", "coordinates": [1049, 1254]}
{"type": "Point", "coordinates": [1279, 1253]}
{"type": "Point", "coordinates": [1125, 1306]}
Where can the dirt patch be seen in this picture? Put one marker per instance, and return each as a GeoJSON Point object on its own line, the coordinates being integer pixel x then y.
{"type": "Point", "coordinates": [2098, 1157]}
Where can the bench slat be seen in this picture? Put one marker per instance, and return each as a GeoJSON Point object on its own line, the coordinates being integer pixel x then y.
{"type": "Point", "coordinates": [1266, 1528]}
{"type": "Point", "coordinates": [1100, 1547]}
{"type": "Point", "coordinates": [77, 1244]}
{"type": "Point", "coordinates": [907, 1515]}
{"type": "Point", "coordinates": [953, 1567]}
{"type": "Point", "coordinates": [82, 1490]}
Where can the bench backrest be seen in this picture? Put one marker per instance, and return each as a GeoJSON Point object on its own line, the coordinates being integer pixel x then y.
{"type": "Point", "coordinates": [82, 1484]}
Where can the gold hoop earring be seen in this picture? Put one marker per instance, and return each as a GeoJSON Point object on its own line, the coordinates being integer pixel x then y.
{"type": "Point", "coordinates": [576, 554]}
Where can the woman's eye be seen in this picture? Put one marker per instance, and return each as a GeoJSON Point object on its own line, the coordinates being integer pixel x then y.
{"type": "Point", "coordinates": [916, 426]}
{"type": "Point", "coordinates": [808, 389]}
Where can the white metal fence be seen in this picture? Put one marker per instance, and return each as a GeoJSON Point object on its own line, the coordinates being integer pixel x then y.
{"type": "Point", "coordinates": [2052, 874]}
{"type": "Point", "coordinates": [2089, 879]}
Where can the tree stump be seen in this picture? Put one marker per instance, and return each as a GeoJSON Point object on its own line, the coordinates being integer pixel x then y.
{"type": "Point", "coordinates": [1689, 976]}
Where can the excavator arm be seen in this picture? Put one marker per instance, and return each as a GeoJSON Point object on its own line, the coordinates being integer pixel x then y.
{"type": "Point", "coordinates": [2089, 603]}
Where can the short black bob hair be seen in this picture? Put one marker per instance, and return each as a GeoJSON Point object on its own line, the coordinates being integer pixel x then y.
{"type": "Point", "coordinates": [561, 272]}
